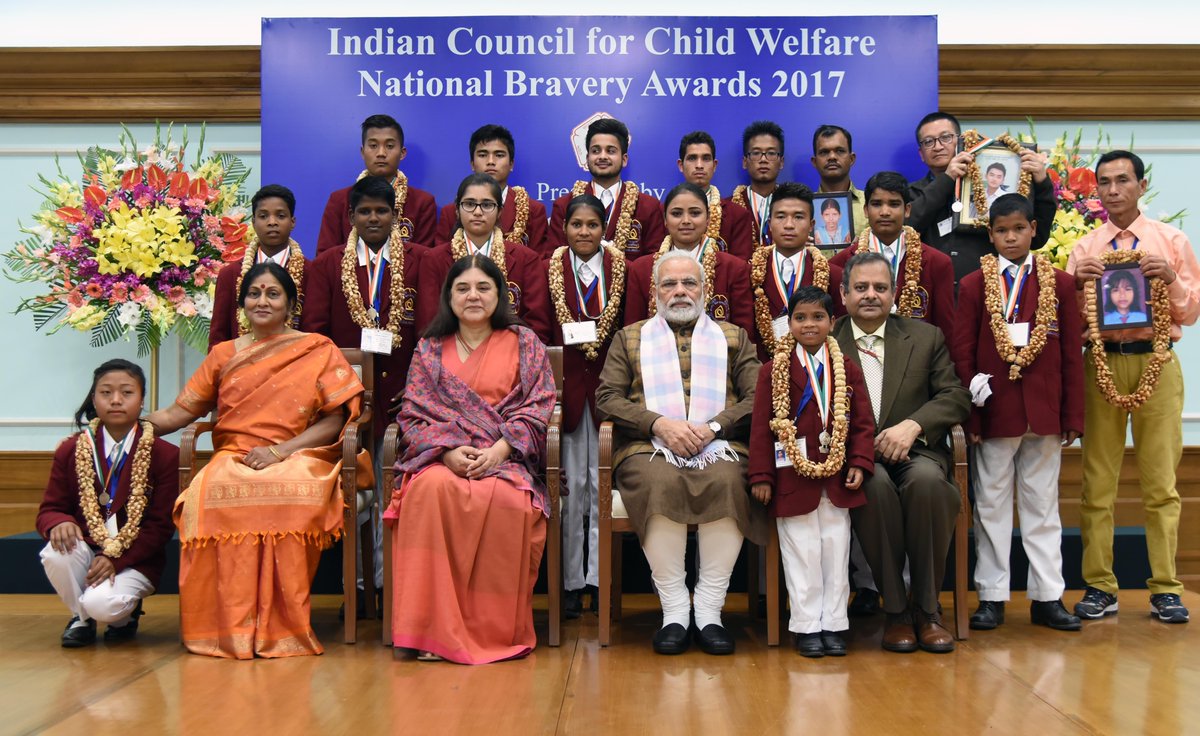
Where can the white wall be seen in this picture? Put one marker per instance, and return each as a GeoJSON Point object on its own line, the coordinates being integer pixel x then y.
{"type": "Point", "coordinates": [219, 22]}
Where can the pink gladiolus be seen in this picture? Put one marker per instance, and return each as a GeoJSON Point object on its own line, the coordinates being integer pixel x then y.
{"type": "Point", "coordinates": [75, 299]}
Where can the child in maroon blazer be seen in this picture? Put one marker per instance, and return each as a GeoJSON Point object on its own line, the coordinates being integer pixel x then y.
{"type": "Point", "coordinates": [1019, 306]}
{"type": "Point", "coordinates": [808, 459]}
{"type": "Point", "coordinates": [106, 512]}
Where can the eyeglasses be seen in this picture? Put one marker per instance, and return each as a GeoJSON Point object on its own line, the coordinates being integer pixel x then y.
{"type": "Point", "coordinates": [470, 205]}
{"type": "Point", "coordinates": [944, 139]}
{"type": "Point", "coordinates": [770, 155]}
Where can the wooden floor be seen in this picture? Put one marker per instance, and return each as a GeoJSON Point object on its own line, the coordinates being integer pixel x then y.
{"type": "Point", "coordinates": [1123, 675]}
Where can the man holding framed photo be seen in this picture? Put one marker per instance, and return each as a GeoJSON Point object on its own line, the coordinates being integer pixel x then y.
{"type": "Point", "coordinates": [833, 157]}
{"type": "Point", "coordinates": [938, 145]}
{"type": "Point", "coordinates": [1133, 375]}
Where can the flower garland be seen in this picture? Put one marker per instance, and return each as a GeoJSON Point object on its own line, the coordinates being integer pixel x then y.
{"type": "Point", "coordinates": [908, 299]}
{"type": "Point", "coordinates": [973, 138]}
{"type": "Point", "coordinates": [458, 249]}
{"type": "Point", "coordinates": [708, 263]}
{"type": "Point", "coordinates": [354, 299]}
{"type": "Point", "coordinates": [629, 199]}
{"type": "Point", "coordinates": [714, 213]}
{"type": "Point", "coordinates": [762, 305]}
{"type": "Point", "coordinates": [739, 197]}
{"type": "Point", "coordinates": [608, 318]}
{"type": "Point", "coordinates": [400, 185]}
{"type": "Point", "coordinates": [295, 269]}
{"type": "Point", "coordinates": [135, 505]}
{"type": "Point", "coordinates": [784, 425]}
{"type": "Point", "coordinates": [1160, 305]}
{"type": "Point", "coordinates": [1047, 310]}
{"type": "Point", "coordinates": [521, 220]}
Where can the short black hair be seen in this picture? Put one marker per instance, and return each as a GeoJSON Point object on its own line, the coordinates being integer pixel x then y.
{"type": "Point", "coordinates": [446, 323]}
{"type": "Point", "coordinates": [888, 181]}
{"type": "Point", "coordinates": [372, 187]}
{"type": "Point", "coordinates": [828, 131]}
{"type": "Point", "coordinates": [274, 190]}
{"type": "Point", "coordinates": [996, 165]}
{"type": "Point", "coordinates": [609, 126]}
{"type": "Point", "coordinates": [279, 272]}
{"type": "Point", "coordinates": [492, 133]}
{"type": "Point", "coordinates": [864, 259]}
{"type": "Point", "coordinates": [831, 203]}
{"type": "Point", "coordinates": [1139, 168]}
{"type": "Point", "coordinates": [1011, 204]}
{"type": "Point", "coordinates": [761, 127]}
{"type": "Point", "coordinates": [792, 190]}
{"type": "Point", "coordinates": [382, 122]}
{"type": "Point", "coordinates": [810, 295]}
{"type": "Point", "coordinates": [933, 117]}
{"type": "Point", "coordinates": [697, 138]}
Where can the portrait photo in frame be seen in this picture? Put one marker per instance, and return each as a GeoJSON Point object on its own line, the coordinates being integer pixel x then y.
{"type": "Point", "coordinates": [1122, 297]}
{"type": "Point", "coordinates": [998, 173]}
{"type": "Point", "coordinates": [833, 220]}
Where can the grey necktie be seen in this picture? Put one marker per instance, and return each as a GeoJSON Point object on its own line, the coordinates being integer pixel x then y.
{"type": "Point", "coordinates": [872, 367]}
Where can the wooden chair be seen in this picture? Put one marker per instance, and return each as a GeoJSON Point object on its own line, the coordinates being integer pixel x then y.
{"type": "Point", "coordinates": [354, 435]}
{"type": "Point", "coordinates": [614, 524]}
{"type": "Point", "coordinates": [958, 445]}
{"type": "Point", "coordinates": [553, 553]}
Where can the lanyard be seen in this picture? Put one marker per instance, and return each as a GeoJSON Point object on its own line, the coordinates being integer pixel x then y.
{"type": "Point", "coordinates": [1010, 290]}
{"type": "Point", "coordinates": [263, 257]}
{"type": "Point", "coordinates": [111, 479]}
{"type": "Point", "coordinates": [875, 245]}
{"type": "Point", "coordinates": [797, 277]}
{"type": "Point", "coordinates": [482, 250]}
{"type": "Point", "coordinates": [819, 383]}
{"type": "Point", "coordinates": [761, 210]}
{"type": "Point", "coordinates": [585, 297]}
{"type": "Point", "coordinates": [1113, 243]}
{"type": "Point", "coordinates": [375, 268]}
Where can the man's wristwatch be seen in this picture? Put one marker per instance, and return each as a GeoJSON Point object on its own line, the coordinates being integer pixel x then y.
{"type": "Point", "coordinates": [716, 429]}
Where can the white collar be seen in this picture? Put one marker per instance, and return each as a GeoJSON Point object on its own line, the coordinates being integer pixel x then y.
{"type": "Point", "coordinates": [595, 263]}
{"type": "Point", "coordinates": [1005, 263]}
{"type": "Point", "coordinates": [281, 257]}
{"type": "Point", "coordinates": [503, 197]}
{"type": "Point", "coordinates": [818, 356]}
{"type": "Point", "coordinates": [859, 333]}
{"type": "Point", "coordinates": [362, 252]}
{"type": "Point", "coordinates": [614, 190]}
{"type": "Point", "coordinates": [109, 442]}
{"type": "Point", "coordinates": [794, 258]}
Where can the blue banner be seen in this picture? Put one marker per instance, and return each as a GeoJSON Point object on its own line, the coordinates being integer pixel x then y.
{"type": "Point", "coordinates": [546, 77]}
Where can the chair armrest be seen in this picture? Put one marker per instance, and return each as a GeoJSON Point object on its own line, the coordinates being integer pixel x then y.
{"type": "Point", "coordinates": [187, 450]}
{"type": "Point", "coordinates": [958, 446]}
{"type": "Point", "coordinates": [387, 461]}
{"type": "Point", "coordinates": [554, 459]}
{"type": "Point", "coordinates": [605, 477]}
{"type": "Point", "coordinates": [350, 466]}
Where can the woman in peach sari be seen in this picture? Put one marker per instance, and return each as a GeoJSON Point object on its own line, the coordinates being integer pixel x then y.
{"type": "Point", "coordinates": [255, 519]}
{"type": "Point", "coordinates": [469, 515]}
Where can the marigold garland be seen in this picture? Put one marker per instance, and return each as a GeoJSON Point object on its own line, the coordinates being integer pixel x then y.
{"type": "Point", "coordinates": [354, 299]}
{"type": "Point", "coordinates": [758, 280]}
{"type": "Point", "coordinates": [1047, 311]}
{"type": "Point", "coordinates": [399, 185]}
{"type": "Point", "coordinates": [714, 213]}
{"type": "Point", "coordinates": [629, 199]}
{"type": "Point", "coordinates": [972, 138]}
{"type": "Point", "coordinates": [497, 251]}
{"type": "Point", "coordinates": [908, 300]}
{"type": "Point", "coordinates": [1160, 306]}
{"type": "Point", "coordinates": [295, 269]}
{"type": "Point", "coordinates": [612, 310]}
{"type": "Point", "coordinates": [521, 220]}
{"type": "Point", "coordinates": [784, 425]}
{"type": "Point", "coordinates": [708, 263]}
{"type": "Point", "coordinates": [135, 505]}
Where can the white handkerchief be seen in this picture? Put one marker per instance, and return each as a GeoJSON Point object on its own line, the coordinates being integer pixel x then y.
{"type": "Point", "coordinates": [980, 390]}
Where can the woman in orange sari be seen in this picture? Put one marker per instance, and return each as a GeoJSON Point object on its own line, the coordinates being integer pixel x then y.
{"type": "Point", "coordinates": [255, 519]}
{"type": "Point", "coordinates": [469, 516]}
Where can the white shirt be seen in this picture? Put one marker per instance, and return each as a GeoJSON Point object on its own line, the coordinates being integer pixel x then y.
{"type": "Point", "coordinates": [503, 196]}
{"type": "Point", "coordinates": [614, 191]}
{"type": "Point", "coordinates": [595, 264]}
{"type": "Point", "coordinates": [363, 248]}
{"type": "Point", "coordinates": [281, 257]}
{"type": "Point", "coordinates": [818, 357]}
{"type": "Point", "coordinates": [109, 442]}
{"type": "Point", "coordinates": [858, 333]}
{"type": "Point", "coordinates": [1005, 263]}
{"type": "Point", "coordinates": [795, 258]}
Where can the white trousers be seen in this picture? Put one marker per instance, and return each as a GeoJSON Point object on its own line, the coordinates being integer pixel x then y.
{"type": "Point", "coordinates": [581, 508]}
{"type": "Point", "coordinates": [816, 558]}
{"type": "Point", "coordinates": [665, 546]}
{"type": "Point", "coordinates": [1030, 464]}
{"type": "Point", "coordinates": [111, 602]}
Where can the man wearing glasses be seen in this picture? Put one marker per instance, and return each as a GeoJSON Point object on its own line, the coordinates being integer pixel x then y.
{"type": "Point", "coordinates": [762, 158]}
{"type": "Point", "coordinates": [937, 143]}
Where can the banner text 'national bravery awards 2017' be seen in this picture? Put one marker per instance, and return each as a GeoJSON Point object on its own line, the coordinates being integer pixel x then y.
{"type": "Point", "coordinates": [545, 77]}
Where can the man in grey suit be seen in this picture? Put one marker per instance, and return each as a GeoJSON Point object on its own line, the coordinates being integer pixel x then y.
{"type": "Point", "coordinates": [911, 505]}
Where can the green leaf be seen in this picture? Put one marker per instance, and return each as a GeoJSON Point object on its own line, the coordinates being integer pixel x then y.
{"type": "Point", "coordinates": [46, 313]}
{"type": "Point", "coordinates": [149, 336]}
{"type": "Point", "coordinates": [108, 330]}
{"type": "Point", "coordinates": [194, 332]}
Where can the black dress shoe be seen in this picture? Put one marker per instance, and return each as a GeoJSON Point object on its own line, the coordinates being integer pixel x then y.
{"type": "Point", "coordinates": [1053, 614]}
{"type": "Point", "coordinates": [988, 616]}
{"type": "Point", "coordinates": [865, 603]}
{"type": "Point", "coordinates": [714, 639]}
{"type": "Point", "coordinates": [126, 632]}
{"type": "Point", "coordinates": [74, 636]}
{"type": "Point", "coordinates": [594, 592]}
{"type": "Point", "coordinates": [833, 643]}
{"type": "Point", "coordinates": [573, 604]}
{"type": "Point", "coordinates": [810, 645]}
{"type": "Point", "coordinates": [672, 639]}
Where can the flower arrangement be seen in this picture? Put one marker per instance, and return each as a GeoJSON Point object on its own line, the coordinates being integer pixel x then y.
{"type": "Point", "coordinates": [133, 247]}
{"type": "Point", "coordinates": [1075, 191]}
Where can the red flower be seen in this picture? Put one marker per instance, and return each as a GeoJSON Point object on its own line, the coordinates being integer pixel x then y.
{"type": "Point", "coordinates": [95, 196]}
{"type": "Point", "coordinates": [132, 178]}
{"type": "Point", "coordinates": [1054, 177]}
{"type": "Point", "coordinates": [69, 215]}
{"type": "Point", "coordinates": [179, 185]}
{"type": "Point", "coordinates": [1082, 181]}
{"type": "Point", "coordinates": [234, 234]}
{"type": "Point", "coordinates": [198, 189]}
{"type": "Point", "coordinates": [156, 178]}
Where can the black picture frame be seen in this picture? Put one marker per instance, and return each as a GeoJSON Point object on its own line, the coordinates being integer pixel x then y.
{"type": "Point", "coordinates": [1128, 281]}
{"type": "Point", "coordinates": [844, 204]}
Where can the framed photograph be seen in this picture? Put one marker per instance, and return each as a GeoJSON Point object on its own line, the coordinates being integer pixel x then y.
{"type": "Point", "coordinates": [1121, 297]}
{"type": "Point", "coordinates": [833, 219]}
{"type": "Point", "coordinates": [999, 173]}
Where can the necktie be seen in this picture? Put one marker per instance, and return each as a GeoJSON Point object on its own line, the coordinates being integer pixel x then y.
{"type": "Point", "coordinates": [872, 367]}
{"type": "Point", "coordinates": [788, 269]}
{"type": "Point", "coordinates": [115, 457]}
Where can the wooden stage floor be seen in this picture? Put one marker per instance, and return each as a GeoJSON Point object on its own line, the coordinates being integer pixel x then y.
{"type": "Point", "coordinates": [1124, 675]}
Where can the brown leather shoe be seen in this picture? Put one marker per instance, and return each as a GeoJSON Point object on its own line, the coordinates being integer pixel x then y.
{"type": "Point", "coordinates": [899, 636]}
{"type": "Point", "coordinates": [931, 635]}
